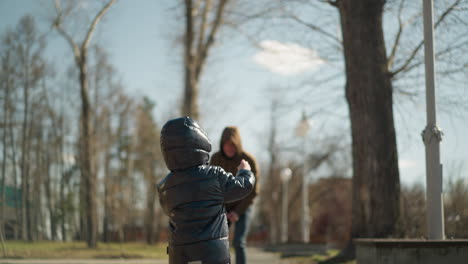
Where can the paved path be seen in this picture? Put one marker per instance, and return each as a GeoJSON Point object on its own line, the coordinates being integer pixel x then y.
{"type": "Point", "coordinates": [255, 256]}
{"type": "Point", "coordinates": [258, 256]}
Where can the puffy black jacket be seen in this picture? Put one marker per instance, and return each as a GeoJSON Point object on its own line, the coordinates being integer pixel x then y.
{"type": "Point", "coordinates": [193, 195]}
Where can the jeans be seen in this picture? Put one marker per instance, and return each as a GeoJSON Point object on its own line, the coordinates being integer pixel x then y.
{"type": "Point", "coordinates": [241, 230]}
{"type": "Point", "coordinates": [214, 251]}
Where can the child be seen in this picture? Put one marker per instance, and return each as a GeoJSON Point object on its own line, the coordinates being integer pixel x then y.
{"type": "Point", "coordinates": [193, 194]}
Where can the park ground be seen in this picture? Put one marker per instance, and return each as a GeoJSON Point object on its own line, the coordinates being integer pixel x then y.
{"type": "Point", "coordinates": [126, 253]}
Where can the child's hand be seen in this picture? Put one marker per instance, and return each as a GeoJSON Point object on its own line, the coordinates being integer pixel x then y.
{"type": "Point", "coordinates": [232, 217]}
{"type": "Point", "coordinates": [244, 165]}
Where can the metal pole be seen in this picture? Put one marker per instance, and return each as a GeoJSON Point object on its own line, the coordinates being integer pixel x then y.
{"type": "Point", "coordinates": [432, 136]}
{"type": "Point", "coordinates": [274, 222]}
{"type": "Point", "coordinates": [305, 198]}
{"type": "Point", "coordinates": [284, 213]}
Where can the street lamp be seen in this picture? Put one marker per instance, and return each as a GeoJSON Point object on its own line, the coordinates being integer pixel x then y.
{"type": "Point", "coordinates": [303, 126]}
{"type": "Point", "coordinates": [301, 131]}
{"type": "Point", "coordinates": [274, 220]}
{"type": "Point", "coordinates": [432, 135]}
{"type": "Point", "coordinates": [285, 176]}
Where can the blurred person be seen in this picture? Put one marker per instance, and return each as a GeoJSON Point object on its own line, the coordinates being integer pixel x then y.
{"type": "Point", "coordinates": [238, 212]}
{"type": "Point", "coordinates": [193, 194]}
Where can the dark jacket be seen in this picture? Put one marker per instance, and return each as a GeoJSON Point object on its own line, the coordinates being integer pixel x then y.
{"type": "Point", "coordinates": [193, 195]}
{"type": "Point", "coordinates": [230, 165]}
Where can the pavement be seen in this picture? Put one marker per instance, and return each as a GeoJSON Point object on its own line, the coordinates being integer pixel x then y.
{"type": "Point", "coordinates": [259, 256]}
{"type": "Point", "coordinates": [297, 250]}
{"type": "Point", "coordinates": [254, 255]}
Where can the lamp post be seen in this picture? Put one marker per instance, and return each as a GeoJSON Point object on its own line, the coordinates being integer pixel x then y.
{"type": "Point", "coordinates": [301, 131]}
{"type": "Point", "coordinates": [274, 220]}
{"type": "Point", "coordinates": [285, 176]}
{"type": "Point", "coordinates": [432, 135]}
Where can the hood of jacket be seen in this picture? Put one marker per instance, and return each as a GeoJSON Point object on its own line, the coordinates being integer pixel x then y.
{"type": "Point", "coordinates": [231, 133]}
{"type": "Point", "coordinates": [184, 144]}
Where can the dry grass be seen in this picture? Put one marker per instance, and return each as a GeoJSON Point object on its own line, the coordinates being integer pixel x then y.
{"type": "Point", "coordinates": [79, 250]}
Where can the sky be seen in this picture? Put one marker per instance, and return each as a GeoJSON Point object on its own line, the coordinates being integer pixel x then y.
{"type": "Point", "coordinates": [242, 80]}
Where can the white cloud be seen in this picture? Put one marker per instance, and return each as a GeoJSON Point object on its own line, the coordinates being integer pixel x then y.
{"type": "Point", "coordinates": [406, 164]}
{"type": "Point", "coordinates": [287, 58]}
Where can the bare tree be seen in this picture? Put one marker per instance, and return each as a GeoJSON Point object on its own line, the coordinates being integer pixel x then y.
{"type": "Point", "coordinates": [80, 54]}
{"type": "Point", "coordinates": [5, 88]}
{"type": "Point", "coordinates": [456, 198]}
{"type": "Point", "coordinates": [104, 137]}
{"type": "Point", "coordinates": [108, 141]}
{"type": "Point", "coordinates": [24, 68]}
{"type": "Point", "coordinates": [25, 58]}
{"type": "Point", "coordinates": [119, 179]}
{"type": "Point", "coordinates": [61, 181]}
{"type": "Point", "coordinates": [412, 222]}
{"type": "Point", "coordinates": [52, 151]}
{"type": "Point", "coordinates": [149, 162]}
{"type": "Point", "coordinates": [273, 173]}
{"type": "Point", "coordinates": [203, 19]}
{"type": "Point", "coordinates": [369, 96]}
{"type": "Point", "coordinates": [6, 101]}
{"type": "Point", "coordinates": [9, 126]}
{"type": "Point", "coordinates": [66, 199]}
{"type": "Point", "coordinates": [371, 74]}
{"type": "Point", "coordinates": [39, 164]}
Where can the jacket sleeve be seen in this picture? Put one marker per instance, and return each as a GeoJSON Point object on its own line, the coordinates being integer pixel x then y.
{"type": "Point", "coordinates": [162, 196]}
{"type": "Point", "coordinates": [237, 187]}
{"type": "Point", "coordinates": [245, 203]}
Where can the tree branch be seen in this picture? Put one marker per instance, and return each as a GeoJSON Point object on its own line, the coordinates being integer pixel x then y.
{"type": "Point", "coordinates": [58, 25]}
{"type": "Point", "coordinates": [211, 36]}
{"type": "Point", "coordinates": [204, 24]}
{"type": "Point", "coordinates": [189, 31]}
{"type": "Point", "coordinates": [419, 46]}
{"type": "Point", "coordinates": [250, 38]}
{"type": "Point", "coordinates": [437, 55]}
{"type": "Point", "coordinates": [313, 27]}
{"type": "Point", "coordinates": [391, 57]}
{"type": "Point", "coordinates": [95, 22]}
{"type": "Point", "coordinates": [331, 2]}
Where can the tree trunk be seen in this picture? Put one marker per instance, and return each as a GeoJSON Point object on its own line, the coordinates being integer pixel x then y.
{"type": "Point", "coordinates": [28, 203]}
{"type": "Point", "coordinates": [82, 194]}
{"type": "Point", "coordinates": [273, 152]}
{"type": "Point", "coordinates": [49, 199]}
{"type": "Point", "coordinates": [9, 120]}
{"type": "Point", "coordinates": [88, 179]}
{"type": "Point", "coordinates": [150, 210]}
{"type": "Point", "coordinates": [376, 184]}
{"type": "Point", "coordinates": [105, 226]}
{"type": "Point", "coordinates": [190, 105]}
{"type": "Point", "coordinates": [2, 184]}
{"type": "Point", "coordinates": [60, 222]}
{"type": "Point", "coordinates": [63, 216]}
{"type": "Point", "coordinates": [86, 170]}
{"type": "Point", "coordinates": [199, 37]}
{"type": "Point", "coordinates": [16, 185]}
{"type": "Point", "coordinates": [190, 102]}
{"type": "Point", "coordinates": [37, 181]}
{"type": "Point", "coordinates": [24, 166]}
{"type": "Point", "coordinates": [4, 159]}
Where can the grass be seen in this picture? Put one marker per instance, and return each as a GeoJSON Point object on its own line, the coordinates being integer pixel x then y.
{"type": "Point", "coordinates": [79, 250]}
{"type": "Point", "coordinates": [317, 257]}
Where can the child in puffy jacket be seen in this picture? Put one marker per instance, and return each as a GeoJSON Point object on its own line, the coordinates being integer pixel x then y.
{"type": "Point", "coordinates": [193, 194]}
